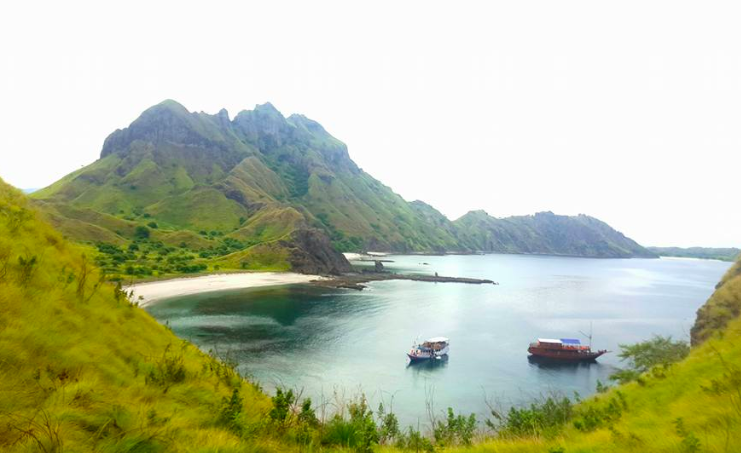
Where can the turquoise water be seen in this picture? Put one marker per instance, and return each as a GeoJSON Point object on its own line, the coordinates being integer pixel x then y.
{"type": "Point", "coordinates": [343, 342]}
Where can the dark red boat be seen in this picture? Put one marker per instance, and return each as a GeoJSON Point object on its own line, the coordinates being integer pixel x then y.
{"type": "Point", "coordinates": [565, 349]}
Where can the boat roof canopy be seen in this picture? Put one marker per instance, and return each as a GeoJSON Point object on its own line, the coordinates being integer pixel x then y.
{"type": "Point", "coordinates": [549, 340]}
{"type": "Point", "coordinates": [438, 340]}
{"type": "Point", "coordinates": [570, 341]}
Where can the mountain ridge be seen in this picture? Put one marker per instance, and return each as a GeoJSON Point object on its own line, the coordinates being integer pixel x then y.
{"type": "Point", "coordinates": [205, 173]}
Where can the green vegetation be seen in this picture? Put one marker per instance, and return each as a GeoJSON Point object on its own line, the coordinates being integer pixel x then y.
{"type": "Point", "coordinates": [656, 355]}
{"type": "Point", "coordinates": [547, 233]}
{"type": "Point", "coordinates": [82, 368]}
{"type": "Point", "coordinates": [723, 307]}
{"type": "Point", "coordinates": [705, 253]}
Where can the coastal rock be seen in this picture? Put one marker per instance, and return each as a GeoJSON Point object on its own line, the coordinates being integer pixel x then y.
{"type": "Point", "coordinates": [311, 252]}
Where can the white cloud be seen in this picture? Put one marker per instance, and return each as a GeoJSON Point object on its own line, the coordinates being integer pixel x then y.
{"type": "Point", "coordinates": [626, 111]}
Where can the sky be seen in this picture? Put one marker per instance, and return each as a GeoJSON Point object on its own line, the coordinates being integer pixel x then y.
{"type": "Point", "coordinates": [626, 111]}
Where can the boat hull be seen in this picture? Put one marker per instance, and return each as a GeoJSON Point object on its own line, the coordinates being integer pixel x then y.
{"type": "Point", "coordinates": [421, 358]}
{"type": "Point", "coordinates": [565, 355]}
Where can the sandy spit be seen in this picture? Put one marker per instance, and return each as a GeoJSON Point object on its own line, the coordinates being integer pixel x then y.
{"type": "Point", "coordinates": [147, 293]}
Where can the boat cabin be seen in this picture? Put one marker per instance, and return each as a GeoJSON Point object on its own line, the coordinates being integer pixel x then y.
{"type": "Point", "coordinates": [571, 344]}
{"type": "Point", "coordinates": [436, 343]}
{"type": "Point", "coordinates": [569, 349]}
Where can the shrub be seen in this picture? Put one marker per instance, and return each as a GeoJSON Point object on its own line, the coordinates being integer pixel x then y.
{"type": "Point", "coordinates": [455, 429]}
{"type": "Point", "coordinates": [358, 432]}
{"type": "Point", "coordinates": [282, 402]}
{"type": "Point", "coordinates": [141, 232]}
{"type": "Point", "coordinates": [594, 416]}
{"type": "Point", "coordinates": [540, 418]}
{"type": "Point", "coordinates": [388, 426]}
{"type": "Point", "coordinates": [231, 411]}
{"type": "Point", "coordinates": [643, 356]}
{"type": "Point", "coordinates": [167, 370]}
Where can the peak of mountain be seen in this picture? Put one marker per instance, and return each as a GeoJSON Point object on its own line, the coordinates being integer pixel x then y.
{"type": "Point", "coordinates": [475, 214]}
{"type": "Point", "coordinates": [267, 179]}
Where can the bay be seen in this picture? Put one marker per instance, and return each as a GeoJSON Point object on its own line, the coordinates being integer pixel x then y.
{"type": "Point", "coordinates": [333, 345]}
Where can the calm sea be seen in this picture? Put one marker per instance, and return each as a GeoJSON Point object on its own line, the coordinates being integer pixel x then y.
{"type": "Point", "coordinates": [335, 344]}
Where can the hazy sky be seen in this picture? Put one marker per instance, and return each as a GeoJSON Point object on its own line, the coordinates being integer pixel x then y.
{"type": "Point", "coordinates": [627, 111]}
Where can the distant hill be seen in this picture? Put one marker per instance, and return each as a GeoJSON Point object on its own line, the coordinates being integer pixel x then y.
{"type": "Point", "coordinates": [708, 253]}
{"type": "Point", "coordinates": [261, 191]}
{"type": "Point", "coordinates": [547, 233]}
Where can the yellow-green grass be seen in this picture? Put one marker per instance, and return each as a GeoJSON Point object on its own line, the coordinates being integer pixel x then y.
{"type": "Point", "coordinates": [723, 306]}
{"type": "Point", "coordinates": [74, 360]}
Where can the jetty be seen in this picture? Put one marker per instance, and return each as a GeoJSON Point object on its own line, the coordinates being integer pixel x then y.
{"type": "Point", "coordinates": [357, 281]}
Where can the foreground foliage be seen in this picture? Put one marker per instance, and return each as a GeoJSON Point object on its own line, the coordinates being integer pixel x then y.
{"type": "Point", "coordinates": [656, 355]}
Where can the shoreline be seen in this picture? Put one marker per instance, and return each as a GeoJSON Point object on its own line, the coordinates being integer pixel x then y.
{"type": "Point", "coordinates": [147, 293]}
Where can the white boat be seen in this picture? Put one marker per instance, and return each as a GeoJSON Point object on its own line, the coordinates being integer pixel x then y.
{"type": "Point", "coordinates": [433, 348]}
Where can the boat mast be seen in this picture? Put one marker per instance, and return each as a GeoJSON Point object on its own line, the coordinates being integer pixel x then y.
{"type": "Point", "coordinates": [590, 334]}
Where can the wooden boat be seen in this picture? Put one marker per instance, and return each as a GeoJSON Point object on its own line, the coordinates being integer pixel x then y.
{"type": "Point", "coordinates": [564, 349]}
{"type": "Point", "coordinates": [434, 348]}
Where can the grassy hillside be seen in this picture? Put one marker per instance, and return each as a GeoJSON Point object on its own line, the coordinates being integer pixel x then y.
{"type": "Point", "coordinates": [260, 178]}
{"type": "Point", "coordinates": [83, 369]}
{"type": "Point", "coordinates": [723, 307]}
{"type": "Point", "coordinates": [547, 233]}
{"type": "Point", "coordinates": [706, 253]}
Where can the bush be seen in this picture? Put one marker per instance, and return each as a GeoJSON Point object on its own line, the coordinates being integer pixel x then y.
{"type": "Point", "coordinates": [455, 429]}
{"type": "Point", "coordinates": [594, 416]}
{"type": "Point", "coordinates": [231, 411]}
{"type": "Point", "coordinates": [540, 418]}
{"type": "Point", "coordinates": [167, 370]}
{"type": "Point", "coordinates": [358, 432]}
{"type": "Point", "coordinates": [282, 402]}
{"type": "Point", "coordinates": [643, 356]}
{"type": "Point", "coordinates": [141, 232]}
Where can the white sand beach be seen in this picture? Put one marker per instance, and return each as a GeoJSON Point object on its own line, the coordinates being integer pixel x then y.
{"type": "Point", "coordinates": [359, 256]}
{"type": "Point", "coordinates": [146, 293]}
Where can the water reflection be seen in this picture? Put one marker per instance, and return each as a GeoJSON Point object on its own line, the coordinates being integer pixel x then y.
{"type": "Point", "coordinates": [545, 362]}
{"type": "Point", "coordinates": [427, 365]}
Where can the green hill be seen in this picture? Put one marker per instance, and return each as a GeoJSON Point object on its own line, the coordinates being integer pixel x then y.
{"type": "Point", "coordinates": [705, 253]}
{"type": "Point", "coordinates": [84, 369]}
{"type": "Point", "coordinates": [546, 233]}
{"type": "Point", "coordinates": [207, 186]}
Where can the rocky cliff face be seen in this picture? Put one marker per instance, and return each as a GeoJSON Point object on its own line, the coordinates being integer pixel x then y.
{"type": "Point", "coordinates": [312, 253]}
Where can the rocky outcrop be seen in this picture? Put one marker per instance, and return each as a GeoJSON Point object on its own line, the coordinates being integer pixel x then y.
{"type": "Point", "coordinates": [311, 252]}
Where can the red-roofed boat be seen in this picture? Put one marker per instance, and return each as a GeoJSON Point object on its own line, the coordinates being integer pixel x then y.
{"type": "Point", "coordinates": [564, 349]}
